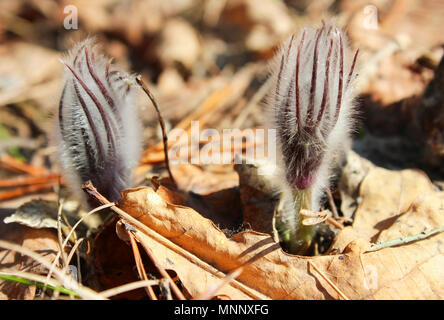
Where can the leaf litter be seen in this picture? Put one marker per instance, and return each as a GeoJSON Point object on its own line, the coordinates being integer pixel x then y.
{"type": "Point", "coordinates": [214, 235]}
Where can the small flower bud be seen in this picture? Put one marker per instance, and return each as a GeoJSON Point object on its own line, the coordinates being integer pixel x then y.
{"type": "Point", "coordinates": [98, 129]}
{"type": "Point", "coordinates": [312, 112]}
{"type": "Point", "coordinates": [312, 103]}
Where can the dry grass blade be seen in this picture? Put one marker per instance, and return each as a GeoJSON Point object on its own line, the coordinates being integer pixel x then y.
{"type": "Point", "coordinates": [30, 276]}
{"type": "Point", "coordinates": [53, 266]}
{"type": "Point", "coordinates": [128, 287]}
{"type": "Point", "coordinates": [56, 285]}
{"type": "Point", "coordinates": [165, 289]}
{"type": "Point", "coordinates": [71, 253]}
{"type": "Point", "coordinates": [154, 156]}
{"type": "Point", "coordinates": [331, 202]}
{"type": "Point", "coordinates": [59, 234]}
{"type": "Point", "coordinates": [84, 292]}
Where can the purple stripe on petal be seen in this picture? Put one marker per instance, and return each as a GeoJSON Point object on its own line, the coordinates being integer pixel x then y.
{"type": "Point", "coordinates": [92, 162]}
{"type": "Point", "coordinates": [350, 74]}
{"type": "Point", "coordinates": [298, 100]}
{"type": "Point", "coordinates": [109, 132]}
{"type": "Point", "coordinates": [310, 110]}
{"type": "Point", "coordinates": [341, 76]}
{"type": "Point", "coordinates": [98, 142]}
{"type": "Point", "coordinates": [99, 83]}
{"type": "Point", "coordinates": [289, 92]}
{"type": "Point", "coordinates": [326, 87]}
{"type": "Point", "coordinates": [61, 124]}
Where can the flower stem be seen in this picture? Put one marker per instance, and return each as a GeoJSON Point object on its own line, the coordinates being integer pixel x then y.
{"type": "Point", "coordinates": [295, 236]}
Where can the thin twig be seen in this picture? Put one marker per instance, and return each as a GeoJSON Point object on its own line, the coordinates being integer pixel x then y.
{"type": "Point", "coordinates": [332, 204]}
{"type": "Point", "coordinates": [162, 125]}
{"type": "Point", "coordinates": [405, 240]}
{"type": "Point", "coordinates": [139, 265]}
{"type": "Point", "coordinates": [163, 272]}
{"type": "Point", "coordinates": [211, 104]}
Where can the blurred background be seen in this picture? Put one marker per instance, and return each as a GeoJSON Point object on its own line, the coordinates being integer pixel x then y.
{"type": "Point", "coordinates": [208, 61]}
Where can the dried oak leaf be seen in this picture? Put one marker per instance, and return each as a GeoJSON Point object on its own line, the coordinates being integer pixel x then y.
{"type": "Point", "coordinates": [420, 262]}
{"type": "Point", "coordinates": [378, 198]}
{"type": "Point", "coordinates": [200, 253]}
{"type": "Point", "coordinates": [385, 195]}
{"type": "Point", "coordinates": [42, 241]}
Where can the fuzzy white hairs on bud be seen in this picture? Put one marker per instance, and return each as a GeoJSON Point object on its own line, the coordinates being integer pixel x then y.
{"type": "Point", "coordinates": [312, 109]}
{"type": "Point", "coordinates": [98, 130]}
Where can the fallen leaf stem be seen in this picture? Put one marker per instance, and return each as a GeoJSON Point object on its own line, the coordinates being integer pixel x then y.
{"type": "Point", "coordinates": [405, 240]}
{"type": "Point", "coordinates": [144, 87]}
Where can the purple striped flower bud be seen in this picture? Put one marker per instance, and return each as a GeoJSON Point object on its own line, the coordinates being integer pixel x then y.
{"type": "Point", "coordinates": [98, 128]}
{"type": "Point", "coordinates": [312, 103]}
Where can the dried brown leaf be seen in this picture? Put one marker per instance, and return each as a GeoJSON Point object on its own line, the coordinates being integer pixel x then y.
{"type": "Point", "coordinates": [353, 274]}
{"type": "Point", "coordinates": [385, 195]}
{"type": "Point", "coordinates": [41, 241]}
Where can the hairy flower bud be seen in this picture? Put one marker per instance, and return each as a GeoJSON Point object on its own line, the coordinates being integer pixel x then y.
{"type": "Point", "coordinates": [98, 129]}
{"type": "Point", "coordinates": [312, 112]}
{"type": "Point", "coordinates": [312, 103]}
